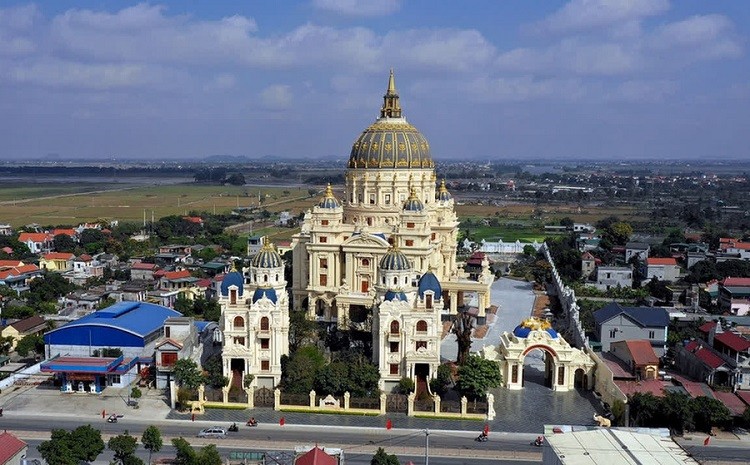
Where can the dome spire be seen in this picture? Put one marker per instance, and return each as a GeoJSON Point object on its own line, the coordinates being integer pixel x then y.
{"type": "Point", "coordinates": [391, 106]}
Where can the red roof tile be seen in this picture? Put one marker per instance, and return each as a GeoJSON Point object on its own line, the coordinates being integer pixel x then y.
{"type": "Point", "coordinates": [744, 396]}
{"type": "Point", "coordinates": [84, 258]}
{"type": "Point", "coordinates": [58, 256]}
{"type": "Point", "coordinates": [708, 357]}
{"type": "Point", "coordinates": [661, 261]}
{"type": "Point", "coordinates": [731, 401]}
{"type": "Point", "coordinates": [67, 232]}
{"type": "Point", "coordinates": [642, 353]}
{"type": "Point", "coordinates": [315, 456]}
{"type": "Point", "coordinates": [34, 237]}
{"type": "Point", "coordinates": [707, 327]}
{"type": "Point", "coordinates": [653, 386]}
{"type": "Point", "coordinates": [736, 282]}
{"type": "Point", "coordinates": [17, 271]}
{"type": "Point", "coordinates": [10, 446]}
{"type": "Point", "coordinates": [4, 263]}
{"type": "Point", "coordinates": [177, 274]}
{"type": "Point", "coordinates": [143, 266]}
{"type": "Point", "coordinates": [733, 341]}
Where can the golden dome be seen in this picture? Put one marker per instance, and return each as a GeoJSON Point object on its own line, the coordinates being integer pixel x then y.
{"type": "Point", "coordinates": [391, 142]}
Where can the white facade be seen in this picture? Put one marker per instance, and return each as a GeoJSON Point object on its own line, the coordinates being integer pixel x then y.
{"type": "Point", "coordinates": [610, 277]}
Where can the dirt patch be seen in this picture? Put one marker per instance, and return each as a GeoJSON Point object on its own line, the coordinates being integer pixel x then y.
{"type": "Point", "coordinates": [541, 302]}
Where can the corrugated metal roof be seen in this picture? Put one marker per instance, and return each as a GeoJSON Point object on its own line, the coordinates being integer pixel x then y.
{"type": "Point", "coordinates": [140, 318]}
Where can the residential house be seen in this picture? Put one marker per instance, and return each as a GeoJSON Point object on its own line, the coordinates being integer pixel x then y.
{"type": "Point", "coordinates": [81, 303]}
{"type": "Point", "coordinates": [72, 233]}
{"type": "Point", "coordinates": [6, 230]}
{"type": "Point", "coordinates": [134, 291]}
{"type": "Point", "coordinates": [37, 242]}
{"type": "Point", "coordinates": [283, 247]}
{"type": "Point", "coordinates": [663, 269]}
{"type": "Point", "coordinates": [611, 277]}
{"type": "Point", "coordinates": [636, 249]}
{"type": "Point", "coordinates": [284, 218]}
{"type": "Point", "coordinates": [317, 456]}
{"type": "Point", "coordinates": [184, 338]}
{"type": "Point", "coordinates": [583, 228]}
{"type": "Point", "coordinates": [84, 264]}
{"type": "Point", "coordinates": [194, 219]}
{"type": "Point", "coordinates": [142, 271]}
{"type": "Point", "coordinates": [57, 261]}
{"type": "Point", "coordinates": [733, 289]}
{"type": "Point", "coordinates": [172, 254]}
{"type": "Point", "coordinates": [254, 243]}
{"type": "Point", "coordinates": [614, 323]}
{"type": "Point", "coordinates": [588, 265]}
{"type": "Point", "coordinates": [734, 247]}
{"type": "Point", "coordinates": [22, 328]}
{"type": "Point", "coordinates": [12, 450]}
{"type": "Point", "coordinates": [18, 277]}
{"type": "Point", "coordinates": [740, 307]}
{"type": "Point", "coordinates": [639, 356]}
{"type": "Point", "coordinates": [695, 257]}
{"type": "Point", "coordinates": [702, 362]}
{"type": "Point", "coordinates": [182, 282]}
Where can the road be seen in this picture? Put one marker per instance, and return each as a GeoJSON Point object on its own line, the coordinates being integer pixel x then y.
{"type": "Point", "coordinates": [446, 447]}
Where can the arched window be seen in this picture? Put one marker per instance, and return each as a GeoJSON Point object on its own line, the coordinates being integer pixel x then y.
{"type": "Point", "coordinates": [394, 327]}
{"type": "Point", "coordinates": [365, 262]}
{"type": "Point", "coordinates": [264, 323]}
{"type": "Point", "coordinates": [421, 326]}
{"type": "Point", "coordinates": [265, 278]}
{"type": "Point", "coordinates": [277, 277]}
{"type": "Point", "coordinates": [239, 322]}
{"type": "Point", "coordinates": [395, 280]}
{"type": "Point", "coordinates": [233, 296]}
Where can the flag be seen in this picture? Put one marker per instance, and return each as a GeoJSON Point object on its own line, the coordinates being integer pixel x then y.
{"type": "Point", "coordinates": [282, 421]}
{"type": "Point", "coordinates": [707, 440]}
{"type": "Point", "coordinates": [388, 424]}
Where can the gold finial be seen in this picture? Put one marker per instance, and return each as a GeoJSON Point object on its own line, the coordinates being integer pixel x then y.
{"type": "Point", "coordinates": [391, 106]}
{"type": "Point", "coordinates": [442, 186]}
{"type": "Point", "coordinates": [234, 266]}
{"type": "Point", "coordinates": [329, 191]}
{"type": "Point", "coordinates": [413, 194]}
{"type": "Point", "coordinates": [267, 243]}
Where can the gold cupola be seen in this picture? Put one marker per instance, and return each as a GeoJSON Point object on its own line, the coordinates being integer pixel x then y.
{"type": "Point", "coordinates": [391, 142]}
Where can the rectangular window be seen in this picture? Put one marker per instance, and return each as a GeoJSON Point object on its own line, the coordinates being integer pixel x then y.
{"type": "Point", "coordinates": [324, 222]}
{"type": "Point", "coordinates": [651, 334]}
{"type": "Point", "coordinates": [432, 236]}
{"type": "Point", "coordinates": [409, 242]}
{"type": "Point", "coordinates": [410, 225]}
{"type": "Point", "coordinates": [369, 221]}
{"type": "Point", "coordinates": [168, 358]}
{"type": "Point", "coordinates": [372, 199]}
{"type": "Point", "coordinates": [394, 368]}
{"type": "Point", "coordinates": [239, 341]}
{"type": "Point", "coordinates": [394, 347]}
{"type": "Point", "coordinates": [264, 343]}
{"type": "Point", "coordinates": [387, 199]}
{"type": "Point", "coordinates": [514, 374]}
{"type": "Point", "coordinates": [561, 376]}
{"type": "Point", "coordinates": [421, 345]}
{"type": "Point", "coordinates": [613, 333]}
{"type": "Point", "coordinates": [323, 280]}
{"type": "Point", "coordinates": [323, 239]}
{"type": "Point", "coordinates": [115, 379]}
{"type": "Point", "coordinates": [265, 365]}
{"type": "Point", "coordinates": [166, 331]}
{"type": "Point", "coordinates": [324, 263]}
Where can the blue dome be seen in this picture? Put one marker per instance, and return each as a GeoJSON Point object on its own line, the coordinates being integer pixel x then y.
{"type": "Point", "coordinates": [552, 333]}
{"type": "Point", "coordinates": [329, 200]}
{"type": "Point", "coordinates": [413, 204]}
{"type": "Point", "coordinates": [442, 193]}
{"type": "Point", "coordinates": [233, 278]}
{"type": "Point", "coordinates": [267, 257]}
{"type": "Point", "coordinates": [429, 282]}
{"type": "Point", "coordinates": [267, 292]}
{"type": "Point", "coordinates": [521, 331]}
{"type": "Point", "coordinates": [395, 260]}
{"type": "Point", "coordinates": [395, 295]}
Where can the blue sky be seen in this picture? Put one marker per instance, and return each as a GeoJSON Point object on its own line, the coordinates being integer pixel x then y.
{"type": "Point", "coordinates": [485, 79]}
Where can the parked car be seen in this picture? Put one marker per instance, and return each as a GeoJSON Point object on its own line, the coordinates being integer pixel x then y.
{"type": "Point", "coordinates": [214, 432]}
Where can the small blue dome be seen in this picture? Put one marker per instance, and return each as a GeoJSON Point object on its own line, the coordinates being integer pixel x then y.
{"type": "Point", "coordinates": [521, 331]}
{"type": "Point", "coordinates": [395, 260]}
{"type": "Point", "coordinates": [442, 193]}
{"type": "Point", "coordinates": [267, 292]}
{"type": "Point", "coordinates": [329, 200]}
{"type": "Point", "coordinates": [233, 278]}
{"type": "Point", "coordinates": [429, 282]}
{"type": "Point", "coordinates": [413, 204]}
{"type": "Point", "coordinates": [267, 256]}
{"type": "Point", "coordinates": [552, 333]}
{"type": "Point", "coordinates": [395, 295]}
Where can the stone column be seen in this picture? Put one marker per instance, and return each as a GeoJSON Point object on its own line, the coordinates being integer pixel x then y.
{"type": "Point", "coordinates": [346, 400]}
{"type": "Point", "coordinates": [410, 404]}
{"type": "Point", "coordinates": [172, 394]}
{"type": "Point", "coordinates": [491, 407]}
{"type": "Point", "coordinates": [201, 393]}
{"type": "Point", "coordinates": [250, 391]}
{"type": "Point", "coordinates": [312, 399]}
{"type": "Point", "coordinates": [225, 394]}
{"type": "Point", "coordinates": [464, 405]}
{"type": "Point", "coordinates": [383, 401]}
{"type": "Point", "coordinates": [436, 400]}
{"type": "Point", "coordinates": [277, 399]}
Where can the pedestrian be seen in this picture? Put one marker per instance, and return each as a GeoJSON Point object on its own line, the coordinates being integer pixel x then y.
{"type": "Point", "coordinates": [192, 417]}
{"type": "Point", "coordinates": [103, 414]}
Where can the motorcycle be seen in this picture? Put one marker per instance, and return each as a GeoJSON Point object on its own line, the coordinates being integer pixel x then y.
{"type": "Point", "coordinates": [112, 419]}
{"type": "Point", "coordinates": [233, 428]}
{"type": "Point", "coordinates": [481, 438]}
{"type": "Point", "coordinates": [538, 442]}
{"type": "Point", "coordinates": [252, 423]}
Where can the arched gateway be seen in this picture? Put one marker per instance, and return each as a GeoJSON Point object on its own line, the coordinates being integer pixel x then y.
{"type": "Point", "coordinates": [565, 367]}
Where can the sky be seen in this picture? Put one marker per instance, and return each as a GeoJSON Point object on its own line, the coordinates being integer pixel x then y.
{"type": "Point", "coordinates": [510, 80]}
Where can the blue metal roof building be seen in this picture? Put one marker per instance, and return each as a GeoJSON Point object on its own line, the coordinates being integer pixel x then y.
{"type": "Point", "coordinates": [131, 326]}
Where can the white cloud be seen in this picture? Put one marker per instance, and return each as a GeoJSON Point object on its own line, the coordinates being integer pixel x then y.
{"type": "Point", "coordinates": [276, 97]}
{"type": "Point", "coordinates": [220, 82]}
{"type": "Point", "coordinates": [699, 37]}
{"type": "Point", "coordinates": [581, 15]}
{"type": "Point", "coordinates": [572, 56]}
{"type": "Point", "coordinates": [359, 7]}
{"type": "Point", "coordinates": [644, 91]}
{"type": "Point", "coordinates": [16, 24]}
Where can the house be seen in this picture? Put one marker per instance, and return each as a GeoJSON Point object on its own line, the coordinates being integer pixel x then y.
{"type": "Point", "coordinates": [611, 277]}
{"type": "Point", "coordinates": [732, 289]}
{"type": "Point", "coordinates": [6, 230]}
{"type": "Point", "coordinates": [254, 243]}
{"type": "Point", "coordinates": [583, 228]}
{"type": "Point", "coordinates": [740, 307]}
{"type": "Point", "coordinates": [636, 249]}
{"type": "Point", "coordinates": [12, 449]}
{"type": "Point", "coordinates": [694, 257]}
{"type": "Point", "coordinates": [700, 361]}
{"type": "Point", "coordinates": [284, 218]}
{"type": "Point", "coordinates": [182, 282]}
{"type": "Point", "coordinates": [142, 271]}
{"type": "Point", "coordinates": [19, 277]}
{"type": "Point", "coordinates": [283, 247]}
{"type": "Point", "coordinates": [735, 247]}
{"type": "Point", "coordinates": [193, 219]}
{"type": "Point", "coordinates": [37, 242]}
{"type": "Point", "coordinates": [84, 264]}
{"type": "Point", "coordinates": [639, 356]}
{"type": "Point", "coordinates": [22, 328]}
{"type": "Point", "coordinates": [317, 456]}
{"type": "Point", "coordinates": [184, 338]}
{"type": "Point", "coordinates": [81, 302]}
{"type": "Point", "coordinates": [57, 261]}
{"type": "Point", "coordinates": [588, 265]}
{"type": "Point", "coordinates": [614, 323]}
{"type": "Point", "coordinates": [72, 233]}
{"type": "Point", "coordinates": [663, 269]}
{"type": "Point", "coordinates": [477, 264]}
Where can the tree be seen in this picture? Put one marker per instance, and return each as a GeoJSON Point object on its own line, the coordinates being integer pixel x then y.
{"type": "Point", "coordinates": [215, 372]}
{"type": "Point", "coordinates": [708, 413]}
{"type": "Point", "coordinates": [529, 250]}
{"type": "Point", "coordinates": [136, 393]}
{"type": "Point", "coordinates": [677, 412]}
{"type": "Point", "coordinates": [186, 455]}
{"type": "Point", "coordinates": [64, 243]}
{"type": "Point", "coordinates": [461, 328]}
{"type": "Point", "coordinates": [478, 375]}
{"type": "Point", "coordinates": [645, 409]}
{"type": "Point", "coordinates": [618, 233]}
{"type": "Point", "coordinates": [124, 446]}
{"type": "Point", "coordinates": [151, 440]}
{"type": "Point", "coordinates": [405, 385]}
{"type": "Point", "coordinates": [236, 179]}
{"type": "Point", "coordinates": [444, 377]}
{"type": "Point", "coordinates": [71, 447]}
{"type": "Point", "coordinates": [108, 302]}
{"type": "Point", "coordinates": [567, 222]}
{"type": "Point", "coordinates": [302, 330]}
{"type": "Point", "coordinates": [381, 457]}
{"type": "Point", "coordinates": [30, 343]}
{"type": "Point", "coordinates": [187, 374]}
{"type": "Point", "coordinates": [298, 371]}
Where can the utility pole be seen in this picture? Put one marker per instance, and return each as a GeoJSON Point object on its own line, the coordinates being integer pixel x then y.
{"type": "Point", "coordinates": [426, 447]}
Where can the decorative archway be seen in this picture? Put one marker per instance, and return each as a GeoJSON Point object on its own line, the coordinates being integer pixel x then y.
{"type": "Point", "coordinates": [561, 360]}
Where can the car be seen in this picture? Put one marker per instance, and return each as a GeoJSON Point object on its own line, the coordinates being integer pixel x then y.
{"type": "Point", "coordinates": [214, 432]}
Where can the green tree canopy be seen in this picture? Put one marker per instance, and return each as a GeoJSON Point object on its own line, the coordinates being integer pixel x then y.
{"type": "Point", "coordinates": [478, 375]}
{"type": "Point", "coordinates": [381, 457]}
{"type": "Point", "coordinates": [186, 455]}
{"type": "Point", "coordinates": [71, 447]}
{"type": "Point", "coordinates": [30, 343]}
{"type": "Point", "coordinates": [123, 446]}
{"type": "Point", "coordinates": [151, 440]}
{"type": "Point", "coordinates": [298, 371]}
{"type": "Point", "coordinates": [302, 330]}
{"type": "Point", "coordinates": [64, 243]}
{"type": "Point", "coordinates": [187, 374]}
